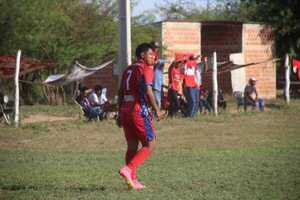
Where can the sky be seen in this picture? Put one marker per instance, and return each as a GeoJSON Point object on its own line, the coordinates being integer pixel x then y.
{"type": "Point", "coordinates": [144, 5]}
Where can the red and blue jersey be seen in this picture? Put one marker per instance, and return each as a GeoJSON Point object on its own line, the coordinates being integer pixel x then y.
{"type": "Point", "coordinates": [134, 81]}
{"type": "Point", "coordinates": [135, 116]}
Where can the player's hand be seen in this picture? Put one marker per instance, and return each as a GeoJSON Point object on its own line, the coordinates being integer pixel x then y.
{"type": "Point", "coordinates": [158, 115]}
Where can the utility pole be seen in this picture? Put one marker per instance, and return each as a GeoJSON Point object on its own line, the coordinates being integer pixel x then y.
{"type": "Point", "coordinates": [207, 5]}
{"type": "Point", "coordinates": [124, 35]}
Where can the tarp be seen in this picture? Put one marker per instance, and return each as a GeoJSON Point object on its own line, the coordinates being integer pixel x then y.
{"type": "Point", "coordinates": [77, 73]}
{"type": "Point", "coordinates": [238, 76]}
{"type": "Point", "coordinates": [54, 78]}
{"type": "Point", "coordinates": [8, 65]}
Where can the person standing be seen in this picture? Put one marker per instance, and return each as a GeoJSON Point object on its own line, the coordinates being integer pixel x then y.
{"type": "Point", "coordinates": [135, 96]}
{"type": "Point", "coordinates": [175, 79]}
{"type": "Point", "coordinates": [158, 82]}
{"type": "Point", "coordinates": [190, 86]}
{"type": "Point", "coordinates": [158, 75]}
{"type": "Point", "coordinates": [198, 79]}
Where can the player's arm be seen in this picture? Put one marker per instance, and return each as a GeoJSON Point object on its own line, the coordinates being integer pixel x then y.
{"type": "Point", "coordinates": [152, 101]}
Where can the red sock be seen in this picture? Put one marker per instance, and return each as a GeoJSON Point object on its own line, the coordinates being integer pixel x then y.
{"type": "Point", "coordinates": [139, 158]}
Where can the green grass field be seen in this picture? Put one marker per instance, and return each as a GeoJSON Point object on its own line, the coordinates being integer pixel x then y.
{"type": "Point", "coordinates": [233, 156]}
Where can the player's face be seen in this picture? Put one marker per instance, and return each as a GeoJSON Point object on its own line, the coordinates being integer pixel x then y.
{"type": "Point", "coordinates": [149, 57]}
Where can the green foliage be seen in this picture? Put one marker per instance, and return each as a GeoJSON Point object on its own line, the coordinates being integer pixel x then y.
{"type": "Point", "coordinates": [284, 17]}
{"type": "Point", "coordinates": [144, 33]}
{"type": "Point", "coordinates": [58, 30]}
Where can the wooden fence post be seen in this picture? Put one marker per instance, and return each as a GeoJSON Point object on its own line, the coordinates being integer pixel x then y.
{"type": "Point", "coordinates": [215, 84]}
{"type": "Point", "coordinates": [17, 90]}
{"type": "Point", "coordinates": [287, 79]}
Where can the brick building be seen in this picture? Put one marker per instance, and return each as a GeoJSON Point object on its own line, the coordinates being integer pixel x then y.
{"type": "Point", "coordinates": [245, 43]}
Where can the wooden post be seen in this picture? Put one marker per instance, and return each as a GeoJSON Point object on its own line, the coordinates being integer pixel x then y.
{"type": "Point", "coordinates": [215, 84]}
{"type": "Point", "coordinates": [17, 91]}
{"type": "Point", "coordinates": [287, 79]}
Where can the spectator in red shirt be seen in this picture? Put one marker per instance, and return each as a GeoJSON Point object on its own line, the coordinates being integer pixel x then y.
{"type": "Point", "coordinates": [190, 86]}
{"type": "Point", "coordinates": [175, 79]}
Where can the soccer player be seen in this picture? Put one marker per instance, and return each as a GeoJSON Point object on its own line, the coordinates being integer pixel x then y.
{"type": "Point", "coordinates": [135, 98]}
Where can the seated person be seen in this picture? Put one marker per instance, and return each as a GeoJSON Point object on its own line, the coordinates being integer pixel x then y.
{"type": "Point", "coordinates": [204, 105]}
{"type": "Point", "coordinates": [80, 94]}
{"type": "Point", "coordinates": [89, 110]}
{"type": "Point", "coordinates": [94, 96]}
{"type": "Point", "coordinates": [106, 105]}
{"type": "Point", "coordinates": [221, 101]}
{"type": "Point", "coordinates": [102, 97]}
{"type": "Point", "coordinates": [251, 96]}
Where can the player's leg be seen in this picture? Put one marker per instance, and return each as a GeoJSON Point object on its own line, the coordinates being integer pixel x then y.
{"type": "Point", "coordinates": [142, 154]}
{"type": "Point", "coordinates": [132, 146]}
{"type": "Point", "coordinates": [145, 133]}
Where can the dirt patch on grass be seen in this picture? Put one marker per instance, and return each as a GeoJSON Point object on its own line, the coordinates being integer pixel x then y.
{"type": "Point", "coordinates": [44, 118]}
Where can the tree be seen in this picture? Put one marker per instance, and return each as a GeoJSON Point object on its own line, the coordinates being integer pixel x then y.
{"type": "Point", "coordinates": [58, 30]}
{"type": "Point", "coordinates": [284, 17]}
{"type": "Point", "coordinates": [62, 31]}
{"type": "Point", "coordinates": [179, 9]}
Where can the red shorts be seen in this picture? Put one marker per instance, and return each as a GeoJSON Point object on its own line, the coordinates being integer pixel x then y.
{"type": "Point", "coordinates": [137, 123]}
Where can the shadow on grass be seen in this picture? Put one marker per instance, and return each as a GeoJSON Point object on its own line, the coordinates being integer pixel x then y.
{"type": "Point", "coordinates": [16, 187]}
{"type": "Point", "coordinates": [275, 106]}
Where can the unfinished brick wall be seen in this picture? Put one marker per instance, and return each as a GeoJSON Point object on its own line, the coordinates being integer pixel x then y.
{"type": "Point", "coordinates": [225, 38]}
{"type": "Point", "coordinates": [105, 78]}
{"type": "Point", "coordinates": [179, 37]}
{"type": "Point", "coordinates": [258, 46]}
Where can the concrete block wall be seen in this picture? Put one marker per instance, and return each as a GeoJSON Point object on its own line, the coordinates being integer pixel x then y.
{"type": "Point", "coordinates": [225, 38]}
{"type": "Point", "coordinates": [258, 46]}
{"type": "Point", "coordinates": [179, 37]}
